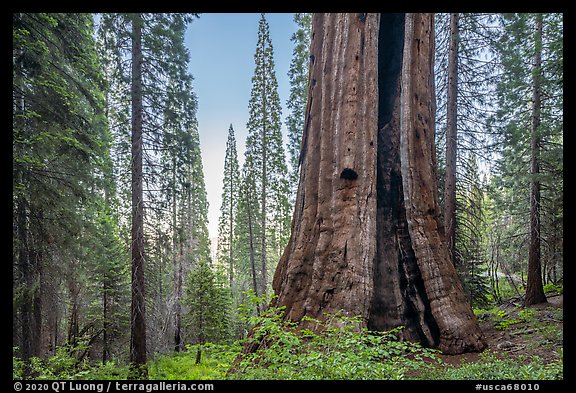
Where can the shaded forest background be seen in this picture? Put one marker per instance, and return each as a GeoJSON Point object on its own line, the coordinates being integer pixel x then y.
{"type": "Point", "coordinates": [499, 143]}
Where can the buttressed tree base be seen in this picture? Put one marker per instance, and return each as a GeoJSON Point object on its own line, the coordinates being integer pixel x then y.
{"type": "Point", "coordinates": [366, 235]}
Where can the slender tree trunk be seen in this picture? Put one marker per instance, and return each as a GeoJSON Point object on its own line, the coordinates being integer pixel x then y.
{"type": "Point", "coordinates": [534, 287]}
{"type": "Point", "coordinates": [178, 344]}
{"type": "Point", "coordinates": [23, 323]}
{"type": "Point", "coordinates": [73, 292]}
{"type": "Point", "coordinates": [366, 236]}
{"type": "Point", "coordinates": [177, 254]}
{"type": "Point", "coordinates": [25, 284]}
{"type": "Point", "coordinates": [451, 136]}
{"type": "Point", "coordinates": [36, 256]}
{"type": "Point", "coordinates": [138, 320]}
{"type": "Point", "coordinates": [231, 230]}
{"type": "Point", "coordinates": [105, 325]}
{"type": "Point", "coordinates": [251, 246]}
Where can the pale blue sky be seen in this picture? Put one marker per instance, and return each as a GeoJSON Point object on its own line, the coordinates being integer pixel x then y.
{"type": "Point", "coordinates": [222, 47]}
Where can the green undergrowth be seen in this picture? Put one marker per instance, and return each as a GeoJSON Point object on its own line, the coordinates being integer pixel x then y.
{"type": "Point", "coordinates": [214, 364]}
{"type": "Point", "coordinates": [338, 347]}
{"type": "Point", "coordinates": [65, 366]}
{"type": "Point", "coordinates": [492, 367]}
{"type": "Point", "coordinates": [335, 348]}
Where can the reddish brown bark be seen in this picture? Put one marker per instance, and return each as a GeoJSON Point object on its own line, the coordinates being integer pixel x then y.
{"type": "Point", "coordinates": [457, 324]}
{"type": "Point", "coordinates": [366, 239]}
{"type": "Point", "coordinates": [327, 266]}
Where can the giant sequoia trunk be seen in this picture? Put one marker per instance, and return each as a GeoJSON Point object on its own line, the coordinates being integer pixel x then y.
{"type": "Point", "coordinates": [366, 238]}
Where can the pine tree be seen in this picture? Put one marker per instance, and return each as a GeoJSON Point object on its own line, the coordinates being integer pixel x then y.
{"type": "Point", "coordinates": [228, 210]}
{"type": "Point", "coordinates": [530, 123]}
{"type": "Point", "coordinates": [138, 351]}
{"type": "Point", "coordinates": [265, 160]}
{"type": "Point", "coordinates": [59, 149]}
{"type": "Point", "coordinates": [296, 103]}
{"type": "Point", "coordinates": [196, 202]}
{"type": "Point", "coordinates": [470, 233]}
{"type": "Point", "coordinates": [465, 82]}
{"type": "Point", "coordinates": [180, 155]}
{"type": "Point", "coordinates": [208, 300]}
{"type": "Point", "coordinates": [247, 232]}
{"type": "Point", "coordinates": [175, 223]}
{"type": "Point", "coordinates": [109, 280]}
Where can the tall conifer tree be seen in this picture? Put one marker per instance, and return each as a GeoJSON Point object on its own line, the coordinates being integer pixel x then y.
{"type": "Point", "coordinates": [296, 103]}
{"type": "Point", "coordinates": [530, 122]}
{"type": "Point", "coordinates": [229, 207]}
{"type": "Point", "coordinates": [171, 172]}
{"type": "Point", "coordinates": [60, 147]}
{"type": "Point", "coordinates": [265, 159]}
{"type": "Point", "coordinates": [465, 83]}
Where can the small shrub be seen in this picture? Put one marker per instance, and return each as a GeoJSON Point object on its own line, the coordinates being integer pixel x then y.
{"type": "Point", "coordinates": [62, 365]}
{"type": "Point", "coordinates": [17, 365]}
{"type": "Point", "coordinates": [499, 317]}
{"type": "Point", "coordinates": [110, 370]}
{"type": "Point", "coordinates": [527, 315]}
{"type": "Point", "coordinates": [552, 288]}
{"type": "Point", "coordinates": [338, 349]}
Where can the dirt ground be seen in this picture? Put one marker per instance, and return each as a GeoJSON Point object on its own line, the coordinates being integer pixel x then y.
{"type": "Point", "coordinates": [524, 338]}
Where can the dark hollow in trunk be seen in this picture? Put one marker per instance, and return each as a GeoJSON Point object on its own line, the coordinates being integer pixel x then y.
{"type": "Point", "coordinates": [399, 296]}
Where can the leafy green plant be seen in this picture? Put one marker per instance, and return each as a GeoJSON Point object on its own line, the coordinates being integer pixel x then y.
{"type": "Point", "coordinates": [337, 348]}
{"type": "Point", "coordinates": [527, 315]}
{"type": "Point", "coordinates": [17, 365]}
{"type": "Point", "coordinates": [64, 364]}
{"type": "Point", "coordinates": [499, 317]}
{"type": "Point", "coordinates": [111, 370]}
{"type": "Point", "coordinates": [552, 288]}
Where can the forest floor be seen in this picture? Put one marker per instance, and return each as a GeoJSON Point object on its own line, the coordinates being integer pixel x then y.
{"type": "Point", "coordinates": [523, 343]}
{"type": "Point", "coordinates": [515, 332]}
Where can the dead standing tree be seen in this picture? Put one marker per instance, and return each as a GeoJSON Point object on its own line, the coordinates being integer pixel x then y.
{"type": "Point", "coordinates": [366, 237]}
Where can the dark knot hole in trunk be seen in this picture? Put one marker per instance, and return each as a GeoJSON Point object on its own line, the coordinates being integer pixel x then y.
{"type": "Point", "coordinates": [348, 174]}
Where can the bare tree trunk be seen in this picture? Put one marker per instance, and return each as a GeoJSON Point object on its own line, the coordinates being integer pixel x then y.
{"type": "Point", "coordinates": [534, 287]}
{"type": "Point", "coordinates": [138, 320]}
{"type": "Point", "coordinates": [74, 294]}
{"type": "Point", "coordinates": [231, 218]}
{"type": "Point", "coordinates": [263, 196]}
{"type": "Point", "coordinates": [177, 255]}
{"type": "Point", "coordinates": [366, 237]}
{"type": "Point", "coordinates": [451, 137]}
{"type": "Point", "coordinates": [25, 308]}
{"type": "Point", "coordinates": [251, 244]}
{"type": "Point", "coordinates": [105, 326]}
{"type": "Point", "coordinates": [179, 276]}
